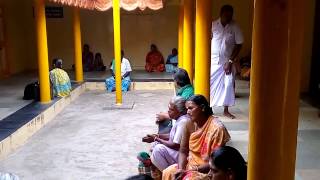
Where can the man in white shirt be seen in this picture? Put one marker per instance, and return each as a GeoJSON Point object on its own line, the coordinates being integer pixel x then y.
{"type": "Point", "coordinates": [226, 43]}
{"type": "Point", "coordinates": [125, 75]}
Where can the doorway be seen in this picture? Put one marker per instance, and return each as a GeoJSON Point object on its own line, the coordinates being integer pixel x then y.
{"type": "Point", "coordinates": [314, 87]}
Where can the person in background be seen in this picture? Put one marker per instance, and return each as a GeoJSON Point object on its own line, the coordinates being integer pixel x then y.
{"type": "Point", "coordinates": [184, 89]}
{"type": "Point", "coordinates": [87, 58]}
{"type": "Point", "coordinates": [98, 63]}
{"type": "Point", "coordinates": [59, 80]}
{"type": "Point", "coordinates": [154, 60]}
{"type": "Point", "coordinates": [183, 84]}
{"type": "Point", "coordinates": [172, 61]}
{"type": "Point", "coordinates": [125, 75]}
{"type": "Point", "coordinates": [226, 43]}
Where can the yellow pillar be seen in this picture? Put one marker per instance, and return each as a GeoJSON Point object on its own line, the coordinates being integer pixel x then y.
{"type": "Point", "coordinates": [202, 47]}
{"type": "Point", "coordinates": [41, 35]}
{"type": "Point", "coordinates": [77, 45]}
{"type": "Point", "coordinates": [117, 49]}
{"type": "Point", "coordinates": [188, 26]}
{"type": "Point", "coordinates": [274, 92]}
{"type": "Point", "coordinates": [180, 37]}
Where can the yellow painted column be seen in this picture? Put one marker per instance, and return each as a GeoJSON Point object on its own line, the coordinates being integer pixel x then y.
{"type": "Point", "coordinates": [180, 37]}
{"type": "Point", "coordinates": [42, 46]}
{"type": "Point", "coordinates": [77, 45]}
{"type": "Point", "coordinates": [188, 36]}
{"type": "Point", "coordinates": [274, 91]}
{"type": "Point", "coordinates": [117, 49]}
{"type": "Point", "coordinates": [203, 47]}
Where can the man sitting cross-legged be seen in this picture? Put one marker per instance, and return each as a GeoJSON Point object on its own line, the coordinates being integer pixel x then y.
{"type": "Point", "coordinates": [165, 149]}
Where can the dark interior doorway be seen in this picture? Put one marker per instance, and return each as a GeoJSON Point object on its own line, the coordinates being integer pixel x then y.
{"type": "Point", "coordinates": [314, 88]}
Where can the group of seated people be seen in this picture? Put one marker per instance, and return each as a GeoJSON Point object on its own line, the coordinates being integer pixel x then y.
{"type": "Point", "coordinates": [90, 62]}
{"type": "Point", "coordinates": [225, 163]}
{"type": "Point", "coordinates": [155, 61]}
{"type": "Point", "coordinates": [195, 146]}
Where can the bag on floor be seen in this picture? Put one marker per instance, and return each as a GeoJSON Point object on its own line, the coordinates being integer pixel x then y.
{"type": "Point", "coordinates": [32, 92]}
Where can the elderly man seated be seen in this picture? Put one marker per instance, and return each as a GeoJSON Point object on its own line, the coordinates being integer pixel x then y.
{"type": "Point", "coordinates": [59, 79]}
{"type": "Point", "coordinates": [125, 75]}
{"type": "Point", "coordinates": [165, 149]}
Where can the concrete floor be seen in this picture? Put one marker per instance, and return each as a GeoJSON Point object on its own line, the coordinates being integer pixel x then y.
{"type": "Point", "coordinates": [88, 141]}
{"type": "Point", "coordinates": [11, 89]}
{"type": "Point", "coordinates": [11, 93]}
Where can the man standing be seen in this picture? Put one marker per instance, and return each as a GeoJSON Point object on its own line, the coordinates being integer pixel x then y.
{"type": "Point", "coordinates": [226, 43]}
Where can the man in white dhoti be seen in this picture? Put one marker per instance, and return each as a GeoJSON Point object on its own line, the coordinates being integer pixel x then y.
{"type": "Point", "coordinates": [226, 43]}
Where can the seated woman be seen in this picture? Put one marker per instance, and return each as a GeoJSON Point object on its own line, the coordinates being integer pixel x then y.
{"type": "Point", "coordinates": [183, 83]}
{"type": "Point", "coordinates": [59, 80]}
{"type": "Point", "coordinates": [98, 63]}
{"type": "Point", "coordinates": [166, 147]}
{"type": "Point", "coordinates": [184, 89]}
{"type": "Point", "coordinates": [125, 75]}
{"type": "Point", "coordinates": [195, 149]}
{"type": "Point", "coordinates": [154, 60]}
{"type": "Point", "coordinates": [245, 67]}
{"type": "Point", "coordinates": [172, 61]}
{"type": "Point", "coordinates": [87, 58]}
{"type": "Point", "coordinates": [227, 163]}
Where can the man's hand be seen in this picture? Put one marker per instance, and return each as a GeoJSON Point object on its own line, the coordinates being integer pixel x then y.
{"type": "Point", "coordinates": [227, 67]}
{"type": "Point", "coordinates": [162, 116]}
{"type": "Point", "coordinates": [149, 138]}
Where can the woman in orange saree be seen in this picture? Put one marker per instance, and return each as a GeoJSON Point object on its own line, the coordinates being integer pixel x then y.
{"type": "Point", "coordinates": [154, 60]}
{"type": "Point", "coordinates": [198, 144]}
